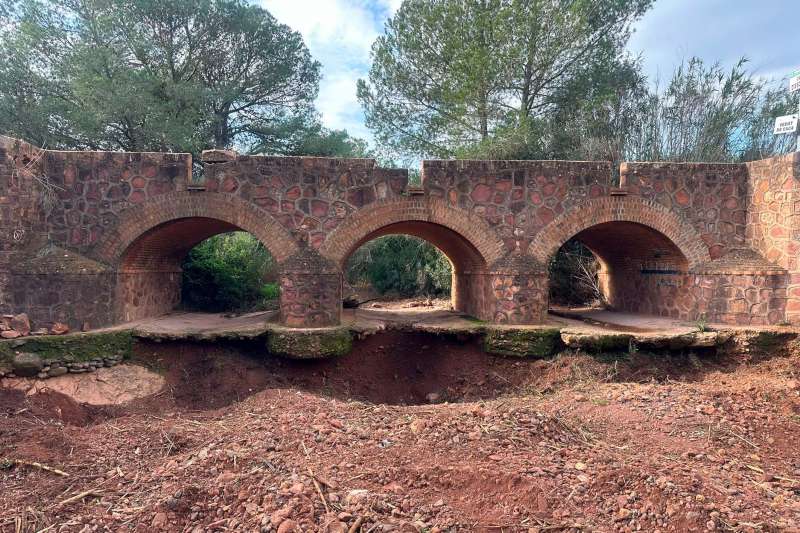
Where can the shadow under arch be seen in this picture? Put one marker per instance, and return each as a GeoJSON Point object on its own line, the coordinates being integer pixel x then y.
{"type": "Point", "coordinates": [646, 253]}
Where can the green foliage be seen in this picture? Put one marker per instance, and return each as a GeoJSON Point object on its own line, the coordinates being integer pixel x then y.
{"type": "Point", "coordinates": [227, 273]}
{"type": "Point", "coordinates": [402, 265]}
{"type": "Point", "coordinates": [701, 323]}
{"type": "Point", "coordinates": [161, 75]}
{"type": "Point", "coordinates": [450, 77]}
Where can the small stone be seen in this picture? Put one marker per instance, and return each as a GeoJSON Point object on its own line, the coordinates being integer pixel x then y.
{"type": "Point", "coordinates": [416, 426]}
{"type": "Point", "coordinates": [39, 332]}
{"type": "Point", "coordinates": [580, 466]}
{"type": "Point", "coordinates": [54, 372]}
{"type": "Point", "coordinates": [287, 526]}
{"type": "Point", "coordinates": [337, 527]}
{"type": "Point", "coordinates": [278, 517]}
{"type": "Point", "coordinates": [433, 397]}
{"type": "Point", "coordinates": [27, 364]}
{"type": "Point", "coordinates": [159, 520]}
{"type": "Point", "coordinates": [59, 328]}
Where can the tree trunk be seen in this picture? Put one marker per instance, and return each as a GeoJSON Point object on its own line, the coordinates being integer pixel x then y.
{"type": "Point", "coordinates": [221, 129]}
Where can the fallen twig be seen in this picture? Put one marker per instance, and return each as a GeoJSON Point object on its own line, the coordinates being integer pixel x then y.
{"type": "Point", "coordinates": [356, 525]}
{"type": "Point", "coordinates": [19, 462]}
{"type": "Point", "coordinates": [80, 496]}
{"type": "Point", "coordinates": [319, 490]}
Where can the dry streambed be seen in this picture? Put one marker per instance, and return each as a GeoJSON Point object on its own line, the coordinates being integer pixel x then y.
{"type": "Point", "coordinates": [407, 433]}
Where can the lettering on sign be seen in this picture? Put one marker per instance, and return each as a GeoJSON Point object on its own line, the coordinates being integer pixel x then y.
{"type": "Point", "coordinates": [785, 124]}
{"type": "Point", "coordinates": [794, 83]}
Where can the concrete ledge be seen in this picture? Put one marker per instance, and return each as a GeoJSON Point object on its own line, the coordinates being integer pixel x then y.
{"type": "Point", "coordinates": [319, 343]}
{"type": "Point", "coordinates": [512, 342]}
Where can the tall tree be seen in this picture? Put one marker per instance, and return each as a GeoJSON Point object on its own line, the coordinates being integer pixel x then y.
{"type": "Point", "coordinates": [153, 74]}
{"type": "Point", "coordinates": [448, 75]}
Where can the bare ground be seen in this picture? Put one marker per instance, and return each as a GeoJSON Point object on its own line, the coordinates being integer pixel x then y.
{"type": "Point", "coordinates": [238, 443]}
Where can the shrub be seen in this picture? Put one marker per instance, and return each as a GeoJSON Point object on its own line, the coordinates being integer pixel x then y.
{"type": "Point", "coordinates": [402, 265]}
{"type": "Point", "coordinates": [573, 276]}
{"type": "Point", "coordinates": [227, 273]}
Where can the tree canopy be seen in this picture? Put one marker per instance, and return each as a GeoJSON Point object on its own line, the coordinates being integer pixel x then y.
{"type": "Point", "coordinates": [449, 76]}
{"type": "Point", "coordinates": [139, 75]}
{"type": "Point", "coordinates": [551, 79]}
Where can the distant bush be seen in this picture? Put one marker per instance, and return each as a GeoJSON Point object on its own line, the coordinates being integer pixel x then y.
{"type": "Point", "coordinates": [573, 276]}
{"type": "Point", "coordinates": [401, 265]}
{"type": "Point", "coordinates": [227, 273]}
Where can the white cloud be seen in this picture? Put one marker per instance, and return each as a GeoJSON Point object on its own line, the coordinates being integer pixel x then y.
{"type": "Point", "coordinates": [339, 34]}
{"type": "Point", "coordinates": [719, 30]}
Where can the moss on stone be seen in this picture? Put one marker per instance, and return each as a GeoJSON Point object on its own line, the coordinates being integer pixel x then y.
{"type": "Point", "coordinates": [598, 342]}
{"type": "Point", "coordinates": [309, 344]}
{"type": "Point", "coordinates": [522, 342]}
{"type": "Point", "coordinates": [73, 347]}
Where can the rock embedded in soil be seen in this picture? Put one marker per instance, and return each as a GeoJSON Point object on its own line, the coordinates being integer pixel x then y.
{"type": "Point", "coordinates": [21, 324]}
{"type": "Point", "coordinates": [27, 364]}
{"type": "Point", "coordinates": [59, 328]}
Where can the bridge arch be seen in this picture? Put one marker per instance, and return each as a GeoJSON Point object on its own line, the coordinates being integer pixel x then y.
{"type": "Point", "coordinates": [470, 244]}
{"type": "Point", "coordinates": [620, 209]}
{"type": "Point", "coordinates": [150, 241]}
{"type": "Point", "coordinates": [645, 253]}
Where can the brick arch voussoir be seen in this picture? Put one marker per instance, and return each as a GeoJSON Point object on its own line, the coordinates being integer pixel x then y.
{"type": "Point", "coordinates": [360, 224]}
{"type": "Point", "coordinates": [136, 220]}
{"type": "Point", "coordinates": [620, 209]}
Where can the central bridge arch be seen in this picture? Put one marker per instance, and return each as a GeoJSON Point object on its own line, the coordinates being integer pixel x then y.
{"type": "Point", "coordinates": [467, 241]}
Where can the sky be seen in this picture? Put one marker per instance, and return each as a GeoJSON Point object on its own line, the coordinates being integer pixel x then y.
{"type": "Point", "coordinates": [339, 34]}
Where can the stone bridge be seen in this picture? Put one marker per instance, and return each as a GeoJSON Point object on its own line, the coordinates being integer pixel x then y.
{"type": "Point", "coordinates": [97, 238]}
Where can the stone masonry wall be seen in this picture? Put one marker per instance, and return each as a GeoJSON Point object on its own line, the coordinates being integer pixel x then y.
{"type": "Point", "coordinates": [737, 227]}
{"type": "Point", "coordinates": [308, 196]}
{"type": "Point", "coordinates": [773, 223]}
{"type": "Point", "coordinates": [22, 215]}
{"type": "Point", "coordinates": [712, 197]}
{"type": "Point", "coordinates": [516, 198]}
{"type": "Point", "coordinates": [97, 187]}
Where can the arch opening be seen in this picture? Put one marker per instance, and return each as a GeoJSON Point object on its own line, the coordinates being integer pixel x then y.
{"type": "Point", "coordinates": [467, 267]}
{"type": "Point", "coordinates": [150, 274]}
{"type": "Point", "coordinates": [623, 266]}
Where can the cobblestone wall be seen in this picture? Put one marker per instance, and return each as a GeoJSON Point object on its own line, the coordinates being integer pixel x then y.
{"type": "Point", "coordinates": [108, 246]}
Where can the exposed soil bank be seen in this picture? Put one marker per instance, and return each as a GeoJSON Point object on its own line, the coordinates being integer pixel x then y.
{"type": "Point", "coordinates": [236, 441]}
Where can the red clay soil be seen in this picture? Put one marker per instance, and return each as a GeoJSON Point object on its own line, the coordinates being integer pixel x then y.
{"type": "Point", "coordinates": [236, 443]}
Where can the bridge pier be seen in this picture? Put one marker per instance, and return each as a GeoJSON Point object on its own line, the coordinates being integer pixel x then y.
{"type": "Point", "coordinates": [518, 291]}
{"type": "Point", "coordinates": [311, 291]}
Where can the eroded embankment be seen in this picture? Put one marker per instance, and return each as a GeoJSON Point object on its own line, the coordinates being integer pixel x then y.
{"type": "Point", "coordinates": [239, 440]}
{"type": "Point", "coordinates": [394, 366]}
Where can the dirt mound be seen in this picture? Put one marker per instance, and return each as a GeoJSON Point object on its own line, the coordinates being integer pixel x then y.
{"type": "Point", "coordinates": [48, 406]}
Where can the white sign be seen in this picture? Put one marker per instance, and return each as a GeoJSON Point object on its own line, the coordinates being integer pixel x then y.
{"type": "Point", "coordinates": [785, 124]}
{"type": "Point", "coordinates": [794, 83]}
